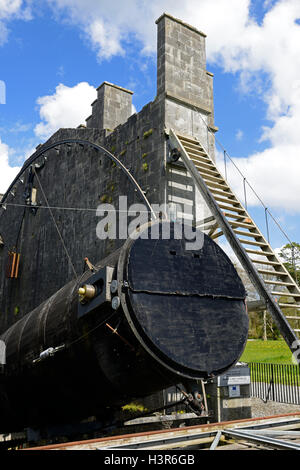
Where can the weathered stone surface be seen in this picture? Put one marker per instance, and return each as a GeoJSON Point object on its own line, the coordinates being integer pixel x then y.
{"type": "Point", "coordinates": [112, 107]}
{"type": "Point", "coordinates": [183, 81]}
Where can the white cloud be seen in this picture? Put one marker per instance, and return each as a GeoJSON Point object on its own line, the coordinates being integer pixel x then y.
{"type": "Point", "coordinates": [116, 21]}
{"type": "Point", "coordinates": [7, 173]}
{"type": "Point", "coordinates": [274, 175]}
{"type": "Point", "coordinates": [108, 24]}
{"type": "Point", "coordinates": [67, 107]}
{"type": "Point", "coordinates": [104, 39]}
{"type": "Point", "coordinates": [239, 134]}
{"type": "Point", "coordinates": [3, 33]}
{"type": "Point", "coordinates": [10, 9]}
{"type": "Point", "coordinates": [17, 128]}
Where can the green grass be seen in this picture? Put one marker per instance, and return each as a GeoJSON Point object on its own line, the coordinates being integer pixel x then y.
{"type": "Point", "coordinates": [276, 352]}
{"type": "Point", "coordinates": [271, 352]}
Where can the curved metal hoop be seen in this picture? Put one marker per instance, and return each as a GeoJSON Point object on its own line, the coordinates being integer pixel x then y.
{"type": "Point", "coordinates": [98, 148]}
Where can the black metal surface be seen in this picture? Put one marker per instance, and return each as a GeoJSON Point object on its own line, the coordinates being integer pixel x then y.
{"type": "Point", "coordinates": [187, 306]}
{"type": "Point", "coordinates": [163, 332]}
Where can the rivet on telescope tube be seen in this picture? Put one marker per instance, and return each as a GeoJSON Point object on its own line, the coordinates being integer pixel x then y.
{"type": "Point", "coordinates": [115, 303]}
{"type": "Point", "coordinates": [114, 286]}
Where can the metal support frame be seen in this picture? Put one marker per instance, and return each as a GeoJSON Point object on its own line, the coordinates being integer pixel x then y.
{"type": "Point", "coordinates": [81, 142]}
{"type": "Point", "coordinates": [276, 432]}
{"type": "Point", "coordinates": [261, 439]}
{"type": "Point", "coordinates": [265, 438]}
{"type": "Point", "coordinates": [287, 332]}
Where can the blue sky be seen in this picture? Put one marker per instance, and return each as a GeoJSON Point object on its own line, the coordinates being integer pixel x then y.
{"type": "Point", "coordinates": [54, 53]}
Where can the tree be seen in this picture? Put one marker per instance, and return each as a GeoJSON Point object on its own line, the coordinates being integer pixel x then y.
{"type": "Point", "coordinates": [290, 255]}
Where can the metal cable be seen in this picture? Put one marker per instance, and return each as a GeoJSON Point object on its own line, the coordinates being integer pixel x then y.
{"type": "Point", "coordinates": [55, 224]}
{"type": "Point", "coordinates": [90, 331]}
{"type": "Point", "coordinates": [245, 193]}
{"type": "Point", "coordinates": [225, 165]}
{"type": "Point", "coordinates": [85, 209]}
{"type": "Point", "coordinates": [267, 224]}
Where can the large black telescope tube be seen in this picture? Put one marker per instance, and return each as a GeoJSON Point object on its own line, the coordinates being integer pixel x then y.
{"type": "Point", "coordinates": [171, 314]}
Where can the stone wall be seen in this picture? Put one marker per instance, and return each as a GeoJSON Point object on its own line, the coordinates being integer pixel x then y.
{"type": "Point", "coordinates": [112, 107]}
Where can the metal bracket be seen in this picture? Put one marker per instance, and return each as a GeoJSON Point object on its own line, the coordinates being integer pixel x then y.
{"type": "Point", "coordinates": [101, 281]}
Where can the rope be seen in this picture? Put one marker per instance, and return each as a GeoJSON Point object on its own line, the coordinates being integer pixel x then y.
{"type": "Point", "coordinates": [56, 226]}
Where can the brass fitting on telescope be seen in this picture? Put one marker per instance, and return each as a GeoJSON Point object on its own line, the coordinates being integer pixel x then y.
{"type": "Point", "coordinates": [86, 293]}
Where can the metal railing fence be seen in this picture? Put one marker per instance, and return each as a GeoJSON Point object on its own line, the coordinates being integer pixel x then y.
{"type": "Point", "coordinates": [275, 382]}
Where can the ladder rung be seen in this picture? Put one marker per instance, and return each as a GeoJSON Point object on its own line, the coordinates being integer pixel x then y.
{"type": "Point", "coordinates": [211, 185]}
{"type": "Point", "coordinates": [225, 196]}
{"type": "Point", "coordinates": [226, 200]}
{"type": "Point", "coordinates": [216, 179]}
{"type": "Point", "coordinates": [279, 283]}
{"type": "Point", "coordinates": [241, 224]}
{"type": "Point", "coordinates": [259, 253]}
{"type": "Point", "coordinates": [289, 305]}
{"type": "Point", "coordinates": [234, 209]}
{"type": "Point", "coordinates": [188, 139]}
{"type": "Point", "coordinates": [272, 273]}
{"type": "Point", "coordinates": [270, 263]}
{"type": "Point", "coordinates": [199, 157]}
{"type": "Point", "coordinates": [285, 294]}
{"type": "Point", "coordinates": [238, 217]}
{"type": "Point", "coordinates": [248, 234]}
{"type": "Point", "coordinates": [202, 161]}
{"type": "Point", "coordinates": [204, 171]}
{"type": "Point", "coordinates": [189, 147]}
{"type": "Point", "coordinates": [251, 242]}
{"type": "Point", "coordinates": [221, 192]}
{"type": "Point", "coordinates": [292, 317]}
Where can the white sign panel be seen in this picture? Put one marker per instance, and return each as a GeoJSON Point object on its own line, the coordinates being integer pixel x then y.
{"type": "Point", "coordinates": [235, 376]}
{"type": "Point", "coordinates": [241, 380]}
{"type": "Point", "coordinates": [234, 391]}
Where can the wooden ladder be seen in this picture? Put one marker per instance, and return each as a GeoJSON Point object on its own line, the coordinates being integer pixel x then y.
{"type": "Point", "coordinates": [230, 218]}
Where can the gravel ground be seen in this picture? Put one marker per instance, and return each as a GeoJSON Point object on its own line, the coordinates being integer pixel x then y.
{"type": "Point", "coordinates": [260, 409]}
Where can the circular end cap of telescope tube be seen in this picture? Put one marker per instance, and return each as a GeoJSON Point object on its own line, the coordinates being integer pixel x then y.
{"type": "Point", "coordinates": [183, 299]}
